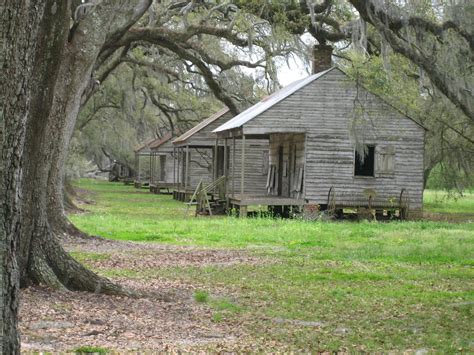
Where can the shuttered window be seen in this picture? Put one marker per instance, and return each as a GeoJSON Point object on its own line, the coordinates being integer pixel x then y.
{"type": "Point", "coordinates": [385, 160]}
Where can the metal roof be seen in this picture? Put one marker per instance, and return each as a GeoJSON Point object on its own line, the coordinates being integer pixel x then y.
{"type": "Point", "coordinates": [185, 136]}
{"type": "Point", "coordinates": [160, 141]}
{"type": "Point", "coordinates": [143, 145]}
{"type": "Point", "coordinates": [268, 102]}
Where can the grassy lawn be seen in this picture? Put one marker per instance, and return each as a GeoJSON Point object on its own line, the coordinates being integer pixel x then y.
{"type": "Point", "coordinates": [441, 202]}
{"type": "Point", "coordinates": [320, 285]}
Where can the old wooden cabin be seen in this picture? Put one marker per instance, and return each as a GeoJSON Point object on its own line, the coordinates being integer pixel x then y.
{"type": "Point", "coordinates": [142, 163]}
{"type": "Point", "coordinates": [162, 164]}
{"type": "Point", "coordinates": [204, 158]}
{"type": "Point", "coordinates": [314, 126]}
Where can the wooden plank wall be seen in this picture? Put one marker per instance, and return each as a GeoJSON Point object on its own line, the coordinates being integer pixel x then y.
{"type": "Point", "coordinates": [293, 159]}
{"type": "Point", "coordinates": [325, 109]}
{"type": "Point", "coordinates": [205, 137]}
{"type": "Point", "coordinates": [200, 166]}
{"type": "Point", "coordinates": [201, 161]}
{"type": "Point", "coordinates": [255, 179]}
{"type": "Point", "coordinates": [167, 149]}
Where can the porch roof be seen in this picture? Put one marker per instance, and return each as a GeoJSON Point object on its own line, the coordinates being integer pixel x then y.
{"type": "Point", "coordinates": [160, 141]}
{"type": "Point", "coordinates": [185, 136]}
{"type": "Point", "coordinates": [144, 145]}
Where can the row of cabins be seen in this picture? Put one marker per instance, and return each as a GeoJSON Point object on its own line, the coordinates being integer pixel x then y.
{"type": "Point", "coordinates": [297, 147]}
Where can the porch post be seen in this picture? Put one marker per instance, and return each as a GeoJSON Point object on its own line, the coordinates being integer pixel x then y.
{"type": "Point", "coordinates": [178, 176]}
{"type": "Point", "coordinates": [242, 168]}
{"type": "Point", "coordinates": [136, 166]}
{"type": "Point", "coordinates": [215, 172]}
{"type": "Point", "coordinates": [225, 167]}
{"type": "Point", "coordinates": [233, 165]}
{"type": "Point", "coordinates": [186, 172]}
{"type": "Point", "coordinates": [151, 166]}
{"type": "Point", "coordinates": [138, 169]}
{"type": "Point", "coordinates": [174, 166]}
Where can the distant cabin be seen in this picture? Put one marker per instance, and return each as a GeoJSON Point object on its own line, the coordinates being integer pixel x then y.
{"type": "Point", "coordinates": [314, 126]}
{"type": "Point", "coordinates": [204, 158]}
{"type": "Point", "coordinates": [142, 163]}
{"type": "Point", "coordinates": [162, 164]}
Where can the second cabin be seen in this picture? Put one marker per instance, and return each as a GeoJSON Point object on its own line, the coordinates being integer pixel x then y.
{"type": "Point", "coordinates": [202, 158]}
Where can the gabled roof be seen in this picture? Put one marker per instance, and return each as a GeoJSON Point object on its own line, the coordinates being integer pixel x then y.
{"type": "Point", "coordinates": [276, 97]}
{"type": "Point", "coordinates": [268, 102]}
{"type": "Point", "coordinates": [185, 136]}
{"type": "Point", "coordinates": [160, 141]}
{"type": "Point", "coordinates": [143, 145]}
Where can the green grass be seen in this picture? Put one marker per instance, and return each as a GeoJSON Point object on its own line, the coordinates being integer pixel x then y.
{"type": "Point", "coordinates": [373, 286]}
{"type": "Point", "coordinates": [442, 202]}
{"type": "Point", "coordinates": [90, 350]}
{"type": "Point", "coordinates": [201, 296]}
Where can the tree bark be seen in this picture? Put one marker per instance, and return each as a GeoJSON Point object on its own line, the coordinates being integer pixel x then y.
{"type": "Point", "coordinates": [24, 25]}
{"type": "Point", "coordinates": [42, 259]}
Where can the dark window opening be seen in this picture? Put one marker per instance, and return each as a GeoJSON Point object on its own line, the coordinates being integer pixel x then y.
{"type": "Point", "coordinates": [364, 166]}
{"type": "Point", "coordinates": [220, 161]}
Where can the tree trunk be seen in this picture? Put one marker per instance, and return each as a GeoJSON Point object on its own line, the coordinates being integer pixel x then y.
{"type": "Point", "coordinates": [24, 26]}
{"type": "Point", "coordinates": [67, 76]}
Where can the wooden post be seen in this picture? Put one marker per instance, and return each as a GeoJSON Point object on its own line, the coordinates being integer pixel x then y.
{"type": "Point", "coordinates": [138, 170]}
{"type": "Point", "coordinates": [242, 169]}
{"type": "Point", "coordinates": [233, 165]}
{"type": "Point", "coordinates": [216, 167]}
{"type": "Point", "coordinates": [136, 167]}
{"type": "Point", "coordinates": [151, 166]}
{"type": "Point", "coordinates": [225, 170]}
{"type": "Point", "coordinates": [174, 166]}
{"type": "Point", "coordinates": [243, 211]}
{"type": "Point", "coordinates": [186, 172]}
{"type": "Point", "coordinates": [178, 176]}
{"type": "Point", "coordinates": [225, 158]}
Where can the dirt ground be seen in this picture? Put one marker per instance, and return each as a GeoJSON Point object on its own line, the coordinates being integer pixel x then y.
{"type": "Point", "coordinates": [168, 319]}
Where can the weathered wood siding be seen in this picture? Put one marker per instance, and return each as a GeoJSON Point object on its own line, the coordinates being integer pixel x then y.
{"type": "Point", "coordinates": [205, 137]}
{"type": "Point", "coordinates": [200, 166]}
{"type": "Point", "coordinates": [293, 160]}
{"type": "Point", "coordinates": [324, 110]}
{"type": "Point", "coordinates": [201, 162]}
{"type": "Point", "coordinates": [165, 150]}
{"type": "Point", "coordinates": [256, 166]}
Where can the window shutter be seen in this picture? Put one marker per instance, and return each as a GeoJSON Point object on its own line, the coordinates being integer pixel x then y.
{"type": "Point", "coordinates": [385, 161]}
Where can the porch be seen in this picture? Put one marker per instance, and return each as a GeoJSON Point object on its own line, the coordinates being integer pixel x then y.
{"type": "Point", "coordinates": [280, 187]}
{"type": "Point", "coordinates": [243, 202]}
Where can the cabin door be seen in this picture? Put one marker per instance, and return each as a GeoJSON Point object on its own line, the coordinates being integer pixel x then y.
{"type": "Point", "coordinates": [220, 161]}
{"type": "Point", "coordinates": [280, 171]}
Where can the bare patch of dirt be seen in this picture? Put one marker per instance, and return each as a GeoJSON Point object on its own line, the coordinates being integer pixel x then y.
{"type": "Point", "coordinates": [139, 256]}
{"type": "Point", "coordinates": [168, 319]}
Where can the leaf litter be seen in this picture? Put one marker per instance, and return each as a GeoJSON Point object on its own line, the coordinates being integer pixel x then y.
{"type": "Point", "coordinates": [166, 319]}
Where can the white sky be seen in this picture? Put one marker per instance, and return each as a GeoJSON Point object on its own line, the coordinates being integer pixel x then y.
{"type": "Point", "coordinates": [297, 70]}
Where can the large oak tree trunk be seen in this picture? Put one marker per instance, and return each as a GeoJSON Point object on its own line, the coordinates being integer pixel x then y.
{"type": "Point", "coordinates": [23, 23]}
{"type": "Point", "coordinates": [42, 259]}
{"type": "Point", "coordinates": [47, 70]}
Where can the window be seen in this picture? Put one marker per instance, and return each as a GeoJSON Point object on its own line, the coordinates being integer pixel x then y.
{"type": "Point", "coordinates": [364, 166]}
{"type": "Point", "coordinates": [385, 161]}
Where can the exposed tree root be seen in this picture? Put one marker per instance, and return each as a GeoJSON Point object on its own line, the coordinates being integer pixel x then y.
{"type": "Point", "coordinates": [52, 266]}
